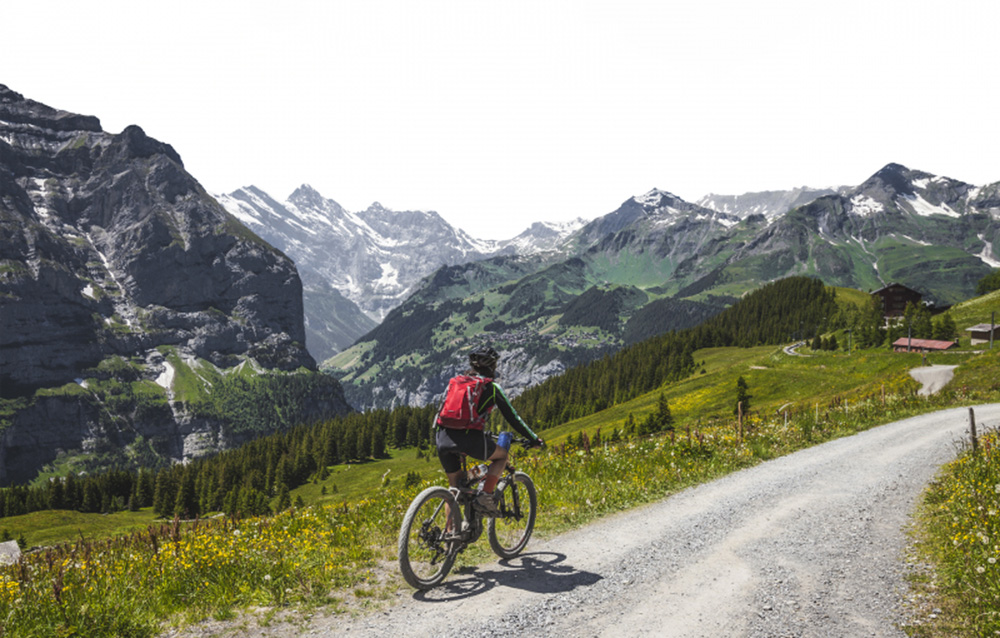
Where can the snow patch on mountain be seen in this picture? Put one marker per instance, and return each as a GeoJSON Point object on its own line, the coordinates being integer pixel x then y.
{"type": "Point", "coordinates": [726, 221]}
{"type": "Point", "coordinates": [986, 254]}
{"type": "Point", "coordinates": [924, 182]}
{"type": "Point", "coordinates": [375, 257]}
{"type": "Point", "coordinates": [389, 279]}
{"type": "Point", "coordinates": [924, 208]}
{"type": "Point", "coordinates": [653, 198]}
{"type": "Point", "coordinates": [916, 241]}
{"type": "Point", "coordinates": [864, 206]}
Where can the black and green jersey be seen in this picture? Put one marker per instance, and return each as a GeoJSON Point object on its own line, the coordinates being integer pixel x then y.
{"type": "Point", "coordinates": [493, 397]}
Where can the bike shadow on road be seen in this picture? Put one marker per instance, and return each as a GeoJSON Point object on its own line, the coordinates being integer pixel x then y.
{"type": "Point", "coordinates": [539, 572]}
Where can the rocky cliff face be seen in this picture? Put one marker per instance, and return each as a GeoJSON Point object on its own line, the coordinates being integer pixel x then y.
{"type": "Point", "coordinates": [110, 248]}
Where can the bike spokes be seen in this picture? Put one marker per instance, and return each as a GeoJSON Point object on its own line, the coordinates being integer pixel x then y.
{"type": "Point", "coordinates": [426, 542]}
{"type": "Point", "coordinates": [509, 532]}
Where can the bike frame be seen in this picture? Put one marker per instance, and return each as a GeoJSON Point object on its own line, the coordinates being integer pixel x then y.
{"type": "Point", "coordinates": [469, 520]}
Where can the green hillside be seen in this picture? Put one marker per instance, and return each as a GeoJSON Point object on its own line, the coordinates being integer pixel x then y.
{"type": "Point", "coordinates": [335, 549]}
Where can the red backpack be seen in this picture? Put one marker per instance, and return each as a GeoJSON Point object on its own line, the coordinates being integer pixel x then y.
{"type": "Point", "coordinates": [459, 408]}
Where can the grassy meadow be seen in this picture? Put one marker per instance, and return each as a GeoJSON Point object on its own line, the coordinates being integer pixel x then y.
{"type": "Point", "coordinates": [126, 574]}
{"type": "Point", "coordinates": [959, 534]}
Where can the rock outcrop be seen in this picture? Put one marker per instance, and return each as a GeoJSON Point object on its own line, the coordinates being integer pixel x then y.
{"type": "Point", "coordinates": [109, 248]}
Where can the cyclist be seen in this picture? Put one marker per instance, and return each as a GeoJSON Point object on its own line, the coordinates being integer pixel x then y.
{"type": "Point", "coordinates": [472, 440]}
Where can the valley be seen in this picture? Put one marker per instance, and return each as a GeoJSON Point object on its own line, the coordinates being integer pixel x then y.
{"type": "Point", "coordinates": [211, 404]}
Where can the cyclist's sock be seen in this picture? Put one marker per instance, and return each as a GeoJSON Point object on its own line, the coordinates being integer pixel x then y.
{"type": "Point", "coordinates": [490, 483]}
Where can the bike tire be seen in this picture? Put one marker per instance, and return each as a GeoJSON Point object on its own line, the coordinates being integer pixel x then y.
{"type": "Point", "coordinates": [509, 533]}
{"type": "Point", "coordinates": [425, 556]}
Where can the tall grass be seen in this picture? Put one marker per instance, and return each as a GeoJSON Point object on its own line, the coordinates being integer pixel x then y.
{"type": "Point", "coordinates": [323, 555]}
{"type": "Point", "coordinates": [335, 554]}
{"type": "Point", "coordinates": [960, 534]}
{"type": "Point", "coordinates": [128, 585]}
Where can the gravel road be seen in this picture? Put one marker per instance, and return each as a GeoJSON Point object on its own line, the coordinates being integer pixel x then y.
{"type": "Point", "coordinates": [810, 544]}
{"type": "Point", "coordinates": [933, 378]}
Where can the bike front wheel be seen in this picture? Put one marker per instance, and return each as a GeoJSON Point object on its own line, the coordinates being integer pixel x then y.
{"type": "Point", "coordinates": [426, 543]}
{"type": "Point", "coordinates": [509, 532]}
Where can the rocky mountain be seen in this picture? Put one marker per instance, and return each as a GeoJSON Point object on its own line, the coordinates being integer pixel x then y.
{"type": "Point", "coordinates": [541, 237]}
{"type": "Point", "coordinates": [545, 314]}
{"type": "Point", "coordinates": [659, 263]}
{"type": "Point", "coordinates": [118, 270]}
{"type": "Point", "coordinates": [770, 204]}
{"type": "Point", "coordinates": [934, 234]}
{"type": "Point", "coordinates": [357, 266]}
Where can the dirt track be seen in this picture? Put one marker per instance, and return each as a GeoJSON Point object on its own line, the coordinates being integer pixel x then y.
{"type": "Point", "coordinates": [933, 378]}
{"type": "Point", "coordinates": [810, 544]}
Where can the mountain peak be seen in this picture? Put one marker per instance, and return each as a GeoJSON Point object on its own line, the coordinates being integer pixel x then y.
{"type": "Point", "coordinates": [307, 192]}
{"type": "Point", "coordinates": [654, 198]}
{"type": "Point", "coordinates": [891, 178]}
{"type": "Point", "coordinates": [892, 167]}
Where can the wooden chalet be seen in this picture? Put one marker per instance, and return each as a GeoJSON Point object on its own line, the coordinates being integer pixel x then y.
{"type": "Point", "coordinates": [906, 344]}
{"type": "Point", "coordinates": [980, 333]}
{"type": "Point", "coordinates": [895, 297]}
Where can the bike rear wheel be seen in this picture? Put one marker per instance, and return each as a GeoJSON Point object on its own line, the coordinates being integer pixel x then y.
{"type": "Point", "coordinates": [426, 554]}
{"type": "Point", "coordinates": [518, 504]}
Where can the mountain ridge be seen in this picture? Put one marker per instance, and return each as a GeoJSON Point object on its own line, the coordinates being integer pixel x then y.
{"type": "Point", "coordinates": [934, 233]}
{"type": "Point", "coordinates": [358, 266]}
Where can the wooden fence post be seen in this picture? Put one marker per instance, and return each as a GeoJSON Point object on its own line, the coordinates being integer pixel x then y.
{"type": "Point", "coordinates": [972, 428]}
{"type": "Point", "coordinates": [739, 410]}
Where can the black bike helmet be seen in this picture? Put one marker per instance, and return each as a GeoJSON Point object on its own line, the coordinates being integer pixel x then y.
{"type": "Point", "coordinates": [484, 360]}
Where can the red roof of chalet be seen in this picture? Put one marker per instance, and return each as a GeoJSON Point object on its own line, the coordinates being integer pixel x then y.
{"type": "Point", "coordinates": [927, 344]}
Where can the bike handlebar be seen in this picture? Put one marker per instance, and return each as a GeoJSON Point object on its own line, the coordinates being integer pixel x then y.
{"type": "Point", "coordinates": [527, 442]}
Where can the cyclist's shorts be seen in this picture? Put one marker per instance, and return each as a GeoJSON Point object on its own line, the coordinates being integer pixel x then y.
{"type": "Point", "coordinates": [452, 443]}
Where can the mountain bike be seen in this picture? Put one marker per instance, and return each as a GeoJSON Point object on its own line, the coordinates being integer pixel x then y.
{"type": "Point", "coordinates": [443, 521]}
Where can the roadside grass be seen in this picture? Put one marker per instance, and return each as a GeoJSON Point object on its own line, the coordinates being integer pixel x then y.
{"type": "Point", "coordinates": [959, 534]}
{"type": "Point", "coordinates": [339, 550]}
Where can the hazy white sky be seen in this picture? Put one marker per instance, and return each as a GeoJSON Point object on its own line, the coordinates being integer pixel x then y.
{"type": "Point", "coordinates": [498, 114]}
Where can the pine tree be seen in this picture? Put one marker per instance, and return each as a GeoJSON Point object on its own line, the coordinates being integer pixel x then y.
{"type": "Point", "coordinates": [378, 444]}
{"type": "Point", "coordinates": [186, 500]}
{"type": "Point", "coordinates": [742, 397]}
{"type": "Point", "coordinates": [165, 494]}
{"type": "Point", "coordinates": [146, 485]}
{"type": "Point", "coordinates": [284, 498]}
{"type": "Point", "coordinates": [629, 428]}
{"type": "Point", "coordinates": [664, 418]}
{"type": "Point", "coordinates": [944, 328]}
{"type": "Point", "coordinates": [91, 497]}
{"type": "Point", "coordinates": [56, 494]}
{"type": "Point", "coordinates": [71, 492]}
